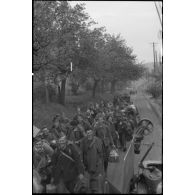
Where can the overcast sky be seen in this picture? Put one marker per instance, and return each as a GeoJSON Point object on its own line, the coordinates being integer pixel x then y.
{"type": "Point", "coordinates": [137, 22]}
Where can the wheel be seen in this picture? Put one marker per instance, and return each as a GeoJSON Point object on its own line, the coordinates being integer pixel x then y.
{"type": "Point", "coordinates": [147, 124]}
{"type": "Point", "coordinates": [143, 131]}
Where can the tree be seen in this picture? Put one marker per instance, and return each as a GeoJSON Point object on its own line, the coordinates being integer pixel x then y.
{"type": "Point", "coordinates": [57, 28]}
{"type": "Point", "coordinates": [91, 55]}
{"type": "Point", "coordinates": [43, 33]}
{"type": "Point", "coordinates": [77, 78]}
{"type": "Point", "coordinates": [62, 34]}
{"type": "Point", "coordinates": [120, 61]}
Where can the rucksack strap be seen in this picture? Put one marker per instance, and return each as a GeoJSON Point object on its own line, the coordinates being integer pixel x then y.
{"type": "Point", "coordinates": [93, 142]}
{"type": "Point", "coordinates": [66, 155]}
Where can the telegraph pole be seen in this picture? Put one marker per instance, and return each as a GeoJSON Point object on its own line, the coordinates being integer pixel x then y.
{"type": "Point", "coordinates": [156, 60]}
{"type": "Point", "coordinates": [154, 55]}
{"type": "Point", "coordinates": [160, 59]}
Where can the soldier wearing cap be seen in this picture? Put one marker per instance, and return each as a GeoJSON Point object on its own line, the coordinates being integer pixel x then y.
{"type": "Point", "coordinates": [67, 166]}
{"type": "Point", "coordinates": [92, 154]}
{"type": "Point", "coordinates": [102, 131]}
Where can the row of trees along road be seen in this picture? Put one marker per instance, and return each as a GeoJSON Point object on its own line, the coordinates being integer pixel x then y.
{"type": "Point", "coordinates": [64, 34]}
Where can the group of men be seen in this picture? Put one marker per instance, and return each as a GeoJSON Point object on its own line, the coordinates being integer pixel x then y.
{"type": "Point", "coordinates": [73, 154]}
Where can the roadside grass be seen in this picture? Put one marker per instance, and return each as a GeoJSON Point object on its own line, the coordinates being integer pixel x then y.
{"type": "Point", "coordinates": [43, 113]}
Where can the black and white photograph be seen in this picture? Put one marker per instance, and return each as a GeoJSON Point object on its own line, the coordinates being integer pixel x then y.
{"type": "Point", "coordinates": [97, 97]}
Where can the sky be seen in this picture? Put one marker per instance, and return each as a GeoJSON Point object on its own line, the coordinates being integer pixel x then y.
{"type": "Point", "coordinates": [136, 21]}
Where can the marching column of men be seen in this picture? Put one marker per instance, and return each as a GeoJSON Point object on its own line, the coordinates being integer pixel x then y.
{"type": "Point", "coordinates": [73, 155]}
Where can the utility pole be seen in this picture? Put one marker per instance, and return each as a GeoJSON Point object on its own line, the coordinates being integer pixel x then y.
{"type": "Point", "coordinates": [154, 55]}
{"type": "Point", "coordinates": [159, 59]}
{"type": "Point", "coordinates": [156, 60]}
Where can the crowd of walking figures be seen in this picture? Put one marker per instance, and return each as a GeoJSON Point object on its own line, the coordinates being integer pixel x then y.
{"type": "Point", "coordinates": [73, 155]}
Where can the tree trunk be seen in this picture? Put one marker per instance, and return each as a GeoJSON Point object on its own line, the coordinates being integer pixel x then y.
{"type": "Point", "coordinates": [94, 87]}
{"type": "Point", "coordinates": [59, 92]}
{"type": "Point", "coordinates": [47, 100]}
{"type": "Point", "coordinates": [63, 92]}
{"type": "Point", "coordinates": [113, 84]}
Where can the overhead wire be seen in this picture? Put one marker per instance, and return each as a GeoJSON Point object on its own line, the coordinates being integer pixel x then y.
{"type": "Point", "coordinates": [158, 13]}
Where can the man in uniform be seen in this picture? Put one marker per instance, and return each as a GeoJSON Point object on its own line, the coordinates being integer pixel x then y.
{"type": "Point", "coordinates": [133, 114]}
{"type": "Point", "coordinates": [91, 113]}
{"type": "Point", "coordinates": [83, 124]}
{"type": "Point", "coordinates": [92, 153]}
{"type": "Point", "coordinates": [121, 127]}
{"type": "Point", "coordinates": [56, 129]}
{"type": "Point", "coordinates": [102, 131]}
{"type": "Point", "coordinates": [42, 154]}
{"type": "Point", "coordinates": [78, 134]}
{"type": "Point", "coordinates": [44, 134]}
{"type": "Point", "coordinates": [67, 166]}
{"type": "Point", "coordinates": [113, 131]}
